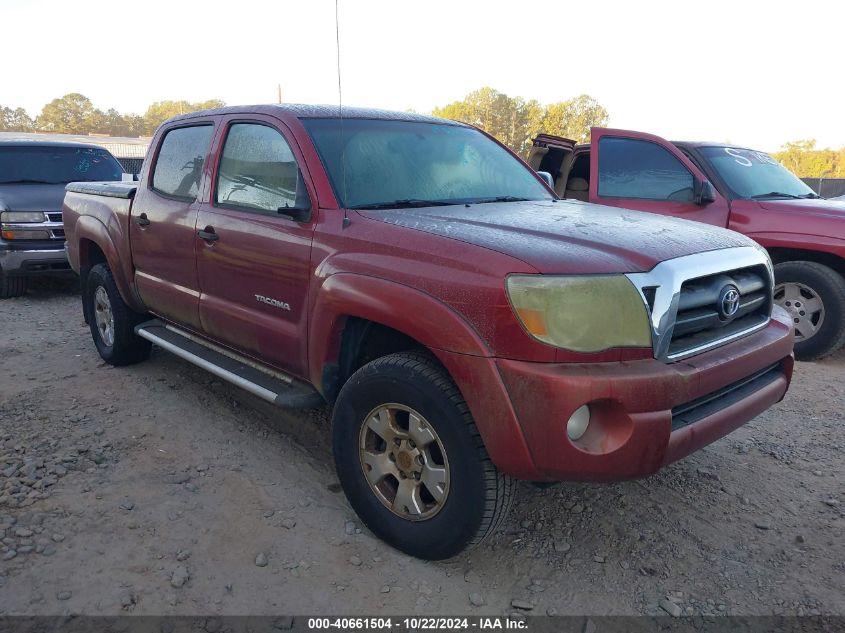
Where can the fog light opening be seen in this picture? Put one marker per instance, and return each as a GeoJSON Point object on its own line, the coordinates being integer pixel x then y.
{"type": "Point", "coordinates": [578, 423]}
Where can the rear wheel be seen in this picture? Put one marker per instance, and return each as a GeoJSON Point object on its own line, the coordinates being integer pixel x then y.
{"type": "Point", "coordinates": [411, 461]}
{"type": "Point", "coordinates": [113, 322]}
{"type": "Point", "coordinates": [814, 296]}
{"type": "Point", "coordinates": [12, 286]}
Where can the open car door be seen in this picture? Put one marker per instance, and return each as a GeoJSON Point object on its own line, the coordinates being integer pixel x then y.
{"type": "Point", "coordinates": [647, 173]}
{"type": "Point", "coordinates": [552, 154]}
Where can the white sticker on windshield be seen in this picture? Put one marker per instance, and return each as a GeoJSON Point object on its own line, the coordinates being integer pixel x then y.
{"type": "Point", "coordinates": [738, 157]}
{"type": "Point", "coordinates": [765, 158]}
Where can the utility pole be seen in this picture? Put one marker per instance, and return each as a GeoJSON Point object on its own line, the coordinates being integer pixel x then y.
{"type": "Point", "coordinates": [280, 92]}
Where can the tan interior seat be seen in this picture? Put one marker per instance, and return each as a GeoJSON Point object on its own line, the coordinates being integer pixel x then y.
{"type": "Point", "coordinates": [578, 189]}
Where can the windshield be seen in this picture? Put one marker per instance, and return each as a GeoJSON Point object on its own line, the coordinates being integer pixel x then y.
{"type": "Point", "coordinates": [750, 174]}
{"type": "Point", "coordinates": [384, 163]}
{"type": "Point", "coordinates": [56, 165]}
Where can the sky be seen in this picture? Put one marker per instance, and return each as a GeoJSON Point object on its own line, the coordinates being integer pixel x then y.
{"type": "Point", "coordinates": [753, 73]}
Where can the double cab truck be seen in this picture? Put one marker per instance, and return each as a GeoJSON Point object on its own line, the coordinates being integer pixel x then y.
{"type": "Point", "coordinates": [729, 186]}
{"type": "Point", "coordinates": [33, 175]}
{"type": "Point", "coordinates": [468, 327]}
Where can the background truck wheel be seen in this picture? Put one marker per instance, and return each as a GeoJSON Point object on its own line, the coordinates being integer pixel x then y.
{"type": "Point", "coordinates": [112, 322]}
{"type": "Point", "coordinates": [12, 286]}
{"type": "Point", "coordinates": [411, 461]}
{"type": "Point", "coordinates": [814, 296]}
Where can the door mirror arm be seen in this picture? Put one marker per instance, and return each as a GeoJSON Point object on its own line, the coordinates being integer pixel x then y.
{"type": "Point", "coordinates": [704, 193]}
{"type": "Point", "coordinates": [301, 209]}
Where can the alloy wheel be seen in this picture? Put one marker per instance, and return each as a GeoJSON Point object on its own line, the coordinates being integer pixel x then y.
{"type": "Point", "coordinates": [404, 462]}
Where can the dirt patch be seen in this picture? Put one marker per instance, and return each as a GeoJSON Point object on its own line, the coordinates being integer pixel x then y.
{"type": "Point", "coordinates": [157, 489]}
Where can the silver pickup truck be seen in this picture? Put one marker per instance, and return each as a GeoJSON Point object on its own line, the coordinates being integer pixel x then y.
{"type": "Point", "coordinates": [33, 175]}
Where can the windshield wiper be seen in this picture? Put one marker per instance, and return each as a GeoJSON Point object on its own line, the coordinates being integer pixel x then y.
{"type": "Point", "coordinates": [500, 199]}
{"type": "Point", "coordinates": [405, 203]}
{"type": "Point", "coordinates": [811, 196]}
{"type": "Point", "coordinates": [776, 194]}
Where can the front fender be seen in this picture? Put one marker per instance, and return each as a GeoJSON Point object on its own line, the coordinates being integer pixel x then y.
{"type": "Point", "coordinates": [444, 332]}
{"type": "Point", "coordinates": [801, 241]}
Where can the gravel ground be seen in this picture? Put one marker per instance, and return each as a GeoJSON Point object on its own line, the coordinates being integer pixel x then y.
{"type": "Point", "coordinates": [157, 489]}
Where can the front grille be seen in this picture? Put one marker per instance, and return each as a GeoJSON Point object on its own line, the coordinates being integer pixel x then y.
{"type": "Point", "coordinates": [54, 216]}
{"type": "Point", "coordinates": [700, 408]}
{"type": "Point", "coordinates": [705, 307]}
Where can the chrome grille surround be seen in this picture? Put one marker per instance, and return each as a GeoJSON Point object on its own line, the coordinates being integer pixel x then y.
{"type": "Point", "coordinates": [661, 290]}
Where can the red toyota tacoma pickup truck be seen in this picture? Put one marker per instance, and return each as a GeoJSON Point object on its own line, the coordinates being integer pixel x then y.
{"type": "Point", "coordinates": [469, 327]}
{"type": "Point", "coordinates": [726, 185]}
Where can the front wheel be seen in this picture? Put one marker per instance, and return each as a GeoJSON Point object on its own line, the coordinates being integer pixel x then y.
{"type": "Point", "coordinates": [814, 296]}
{"type": "Point", "coordinates": [411, 461]}
{"type": "Point", "coordinates": [113, 322]}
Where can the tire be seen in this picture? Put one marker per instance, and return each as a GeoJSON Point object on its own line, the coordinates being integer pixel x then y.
{"type": "Point", "coordinates": [117, 344]}
{"type": "Point", "coordinates": [799, 285]}
{"type": "Point", "coordinates": [475, 498]}
{"type": "Point", "coordinates": [12, 286]}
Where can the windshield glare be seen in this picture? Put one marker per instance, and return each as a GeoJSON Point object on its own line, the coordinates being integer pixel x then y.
{"type": "Point", "coordinates": [57, 165]}
{"type": "Point", "coordinates": [748, 173]}
{"type": "Point", "coordinates": [376, 162]}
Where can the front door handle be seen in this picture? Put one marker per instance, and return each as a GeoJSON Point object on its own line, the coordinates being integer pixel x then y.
{"type": "Point", "coordinates": [142, 220]}
{"type": "Point", "coordinates": [208, 234]}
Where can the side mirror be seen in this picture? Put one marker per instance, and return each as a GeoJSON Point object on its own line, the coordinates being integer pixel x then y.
{"type": "Point", "coordinates": [547, 178]}
{"type": "Point", "coordinates": [129, 177]}
{"type": "Point", "coordinates": [301, 209]}
{"type": "Point", "coordinates": [705, 193]}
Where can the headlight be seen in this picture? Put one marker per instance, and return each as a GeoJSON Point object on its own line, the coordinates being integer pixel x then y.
{"type": "Point", "coordinates": [582, 314]}
{"type": "Point", "coordinates": [22, 216]}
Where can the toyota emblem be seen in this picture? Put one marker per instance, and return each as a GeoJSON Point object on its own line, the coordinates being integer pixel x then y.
{"type": "Point", "coordinates": [728, 302]}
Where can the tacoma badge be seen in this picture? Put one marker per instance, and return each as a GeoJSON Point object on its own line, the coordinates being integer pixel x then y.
{"type": "Point", "coordinates": [273, 302]}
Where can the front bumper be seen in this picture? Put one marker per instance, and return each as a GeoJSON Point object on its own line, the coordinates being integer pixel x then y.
{"type": "Point", "coordinates": [33, 258]}
{"type": "Point", "coordinates": [645, 414]}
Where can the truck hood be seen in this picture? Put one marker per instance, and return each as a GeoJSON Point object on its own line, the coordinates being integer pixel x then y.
{"type": "Point", "coordinates": [31, 197]}
{"type": "Point", "coordinates": [567, 236]}
{"type": "Point", "coordinates": [817, 207]}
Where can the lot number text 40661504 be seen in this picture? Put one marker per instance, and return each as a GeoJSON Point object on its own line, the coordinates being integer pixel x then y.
{"type": "Point", "coordinates": [416, 624]}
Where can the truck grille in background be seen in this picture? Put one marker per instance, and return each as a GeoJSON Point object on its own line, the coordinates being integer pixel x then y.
{"type": "Point", "coordinates": [702, 320]}
{"type": "Point", "coordinates": [54, 225]}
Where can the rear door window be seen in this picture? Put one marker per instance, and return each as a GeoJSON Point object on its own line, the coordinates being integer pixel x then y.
{"type": "Point", "coordinates": [178, 169]}
{"type": "Point", "coordinates": [633, 168]}
{"type": "Point", "coordinates": [258, 171]}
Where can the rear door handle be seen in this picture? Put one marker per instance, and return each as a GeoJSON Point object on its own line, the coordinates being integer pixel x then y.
{"type": "Point", "coordinates": [142, 220]}
{"type": "Point", "coordinates": [208, 234]}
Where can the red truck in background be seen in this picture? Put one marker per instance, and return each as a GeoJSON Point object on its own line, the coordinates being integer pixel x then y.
{"type": "Point", "coordinates": [729, 186]}
{"type": "Point", "coordinates": [468, 326]}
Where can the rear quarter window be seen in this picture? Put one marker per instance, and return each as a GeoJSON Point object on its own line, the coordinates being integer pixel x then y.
{"type": "Point", "coordinates": [178, 168]}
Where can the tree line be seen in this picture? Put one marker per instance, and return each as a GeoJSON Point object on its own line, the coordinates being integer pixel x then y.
{"type": "Point", "coordinates": [513, 120]}
{"type": "Point", "coordinates": [805, 161]}
{"type": "Point", "coordinates": [516, 121]}
{"type": "Point", "coordinates": [75, 114]}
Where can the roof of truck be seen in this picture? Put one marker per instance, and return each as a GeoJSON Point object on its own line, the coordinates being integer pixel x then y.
{"type": "Point", "coordinates": [306, 111]}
